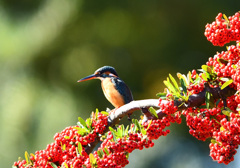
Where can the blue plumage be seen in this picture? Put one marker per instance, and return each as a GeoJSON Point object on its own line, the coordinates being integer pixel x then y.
{"type": "Point", "coordinates": [106, 69]}
{"type": "Point", "coordinates": [123, 89]}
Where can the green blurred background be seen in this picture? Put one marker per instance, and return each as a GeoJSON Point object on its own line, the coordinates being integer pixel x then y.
{"type": "Point", "coordinates": [47, 45]}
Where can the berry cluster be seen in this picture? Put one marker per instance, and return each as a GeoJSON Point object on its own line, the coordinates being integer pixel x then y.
{"type": "Point", "coordinates": [226, 140]}
{"type": "Point", "coordinates": [231, 102]}
{"type": "Point", "coordinates": [65, 150]}
{"type": "Point", "coordinates": [200, 123]}
{"type": "Point", "coordinates": [195, 88]}
{"type": "Point", "coordinates": [216, 119]}
{"type": "Point", "coordinates": [226, 64]}
{"type": "Point", "coordinates": [68, 150]}
{"type": "Point", "coordinates": [167, 107]}
{"type": "Point", "coordinates": [223, 30]}
{"type": "Point", "coordinates": [156, 128]}
{"type": "Point", "coordinates": [220, 123]}
{"type": "Point", "coordinates": [116, 147]}
{"type": "Point", "coordinates": [115, 152]}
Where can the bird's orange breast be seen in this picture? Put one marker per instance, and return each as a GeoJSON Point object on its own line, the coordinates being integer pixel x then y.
{"type": "Point", "coordinates": [111, 93]}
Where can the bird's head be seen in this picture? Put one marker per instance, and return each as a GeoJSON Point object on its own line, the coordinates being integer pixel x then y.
{"type": "Point", "coordinates": [101, 73]}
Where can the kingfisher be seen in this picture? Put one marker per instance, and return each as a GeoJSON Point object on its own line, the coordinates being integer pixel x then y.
{"type": "Point", "coordinates": [114, 88]}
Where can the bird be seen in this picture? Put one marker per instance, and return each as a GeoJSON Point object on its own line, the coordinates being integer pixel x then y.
{"type": "Point", "coordinates": [114, 88]}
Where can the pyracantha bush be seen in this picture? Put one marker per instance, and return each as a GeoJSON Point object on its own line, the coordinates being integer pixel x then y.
{"type": "Point", "coordinates": [209, 100]}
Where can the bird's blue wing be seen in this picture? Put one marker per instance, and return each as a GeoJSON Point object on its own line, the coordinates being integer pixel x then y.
{"type": "Point", "coordinates": [123, 90]}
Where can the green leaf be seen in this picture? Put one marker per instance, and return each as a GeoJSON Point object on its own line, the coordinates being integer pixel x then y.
{"type": "Point", "coordinates": [89, 123]}
{"type": "Point", "coordinates": [174, 83]}
{"type": "Point", "coordinates": [183, 85]}
{"type": "Point", "coordinates": [143, 131]}
{"type": "Point", "coordinates": [119, 131]}
{"type": "Point", "coordinates": [82, 122]}
{"type": "Point", "coordinates": [123, 130]}
{"type": "Point", "coordinates": [79, 149]}
{"type": "Point", "coordinates": [204, 67]}
{"type": "Point", "coordinates": [226, 112]}
{"type": "Point", "coordinates": [208, 75]}
{"type": "Point", "coordinates": [96, 113]}
{"type": "Point", "coordinates": [225, 17]}
{"type": "Point", "coordinates": [65, 164]}
{"type": "Point", "coordinates": [27, 157]}
{"type": "Point", "coordinates": [64, 147]}
{"type": "Point", "coordinates": [213, 141]}
{"type": "Point", "coordinates": [217, 102]}
{"type": "Point", "coordinates": [207, 97]}
{"type": "Point", "coordinates": [207, 69]}
{"type": "Point", "coordinates": [53, 165]}
{"type": "Point", "coordinates": [189, 76]}
{"type": "Point", "coordinates": [234, 66]}
{"type": "Point", "coordinates": [105, 113]}
{"type": "Point", "coordinates": [137, 124]}
{"type": "Point", "coordinates": [106, 151]}
{"type": "Point", "coordinates": [226, 84]}
{"type": "Point", "coordinates": [112, 130]}
{"type": "Point", "coordinates": [238, 109]}
{"type": "Point", "coordinates": [92, 159]}
{"type": "Point", "coordinates": [197, 80]}
{"type": "Point", "coordinates": [100, 153]}
{"type": "Point", "coordinates": [182, 76]}
{"type": "Point", "coordinates": [126, 130]}
{"type": "Point", "coordinates": [173, 88]}
{"type": "Point", "coordinates": [66, 137]}
{"type": "Point", "coordinates": [169, 86]}
{"type": "Point", "coordinates": [134, 128]}
{"type": "Point", "coordinates": [153, 112]}
{"type": "Point", "coordinates": [77, 128]}
{"type": "Point", "coordinates": [82, 131]}
{"type": "Point", "coordinates": [205, 76]}
{"type": "Point", "coordinates": [149, 124]}
{"type": "Point", "coordinates": [161, 95]}
{"type": "Point", "coordinates": [222, 128]}
{"type": "Point", "coordinates": [209, 100]}
{"type": "Point", "coordinates": [113, 133]}
{"type": "Point", "coordinates": [127, 155]}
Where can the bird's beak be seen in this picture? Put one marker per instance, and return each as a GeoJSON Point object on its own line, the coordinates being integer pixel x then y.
{"type": "Point", "coordinates": [93, 76]}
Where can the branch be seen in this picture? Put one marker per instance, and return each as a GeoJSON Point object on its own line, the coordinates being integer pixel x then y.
{"type": "Point", "coordinates": [130, 108]}
{"type": "Point", "coordinates": [194, 101]}
{"type": "Point", "coordinates": [117, 114]}
{"type": "Point", "coordinates": [197, 100]}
